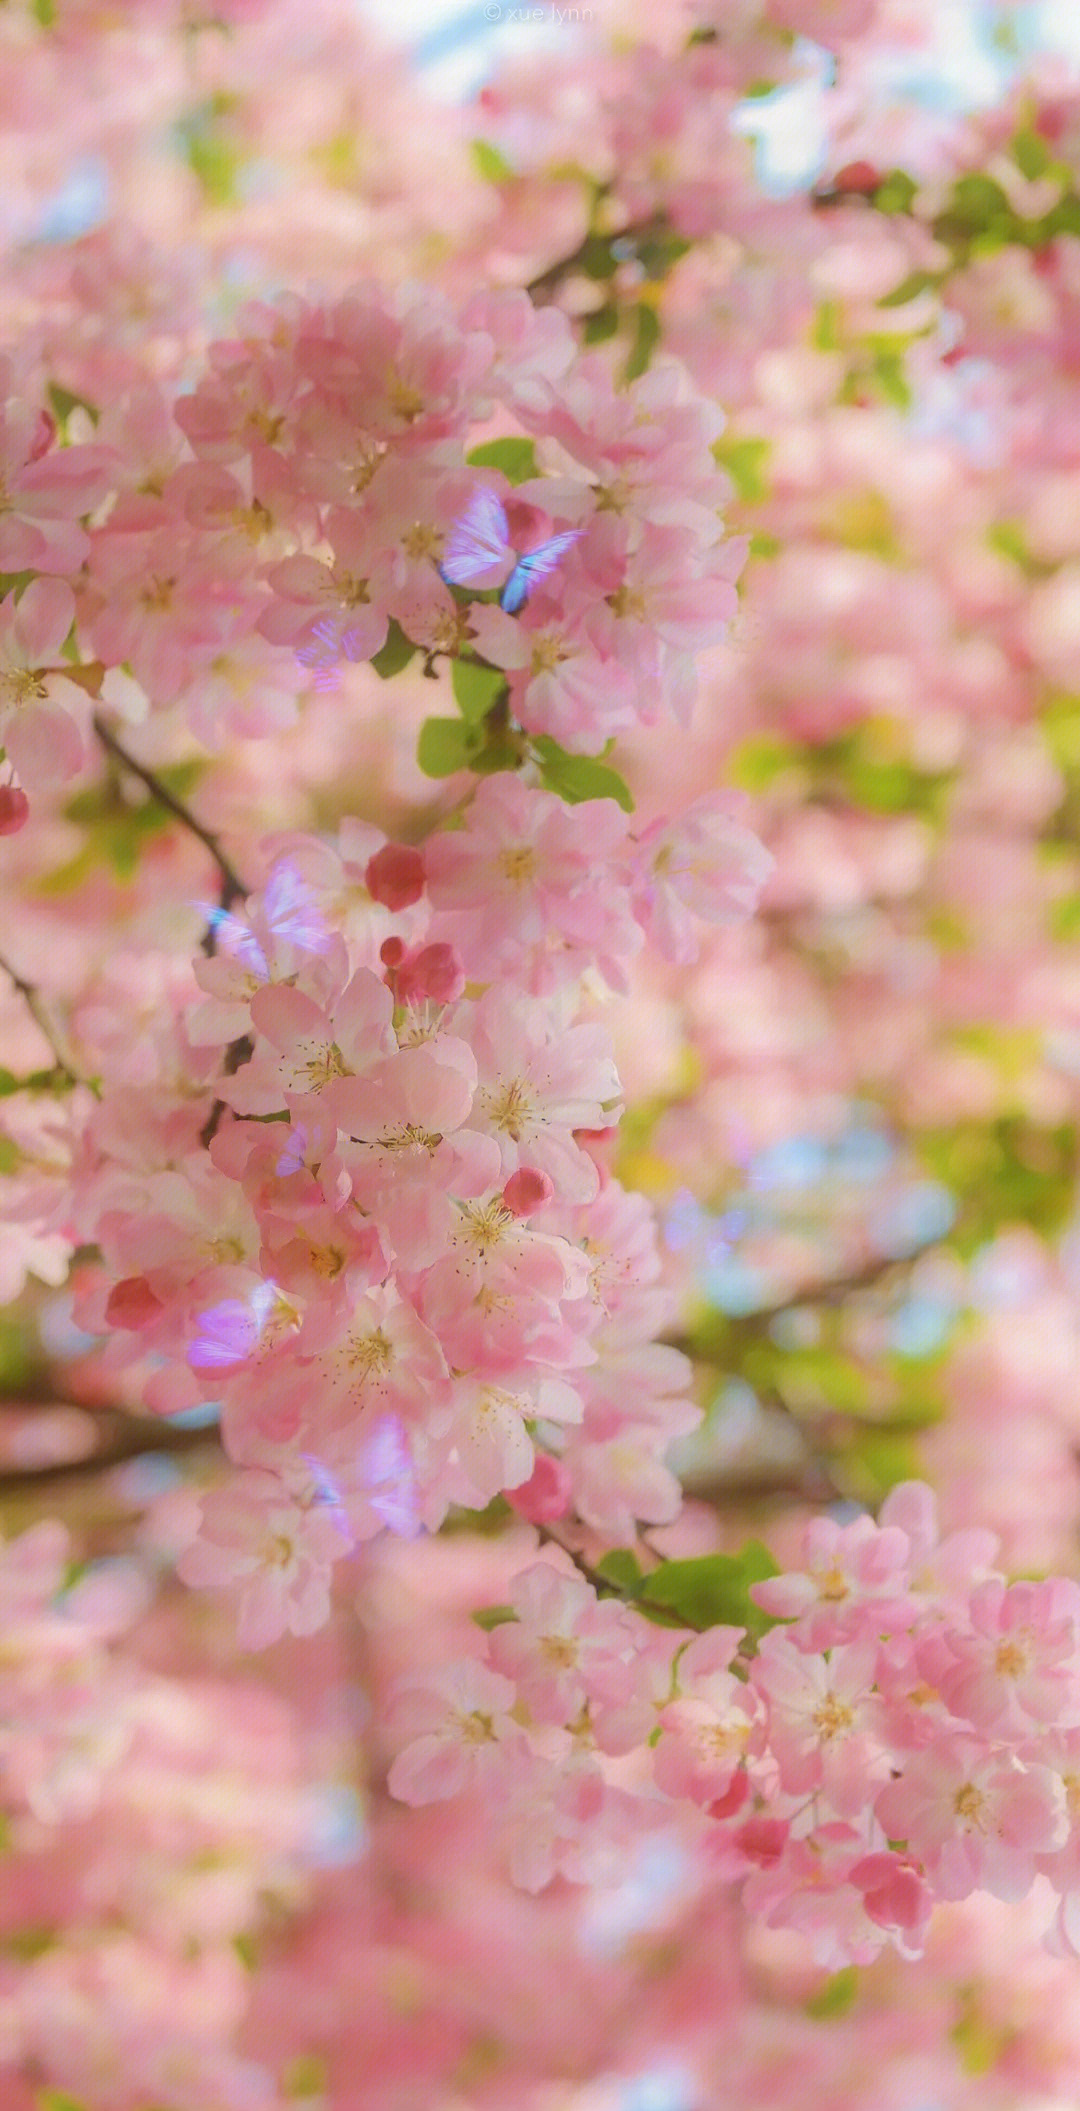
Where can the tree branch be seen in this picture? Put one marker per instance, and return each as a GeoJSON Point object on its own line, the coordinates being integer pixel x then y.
{"type": "Point", "coordinates": [127, 1437]}
{"type": "Point", "coordinates": [32, 999]}
{"type": "Point", "coordinates": [232, 886]}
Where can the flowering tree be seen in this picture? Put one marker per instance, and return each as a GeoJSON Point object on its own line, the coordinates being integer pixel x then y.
{"type": "Point", "coordinates": [538, 1132]}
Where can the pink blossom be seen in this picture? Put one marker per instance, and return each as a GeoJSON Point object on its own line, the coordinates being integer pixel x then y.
{"type": "Point", "coordinates": [460, 1731]}
{"type": "Point", "coordinates": [974, 1819]}
{"type": "Point", "coordinates": [706, 865]}
{"type": "Point", "coordinates": [40, 710]}
{"type": "Point", "coordinates": [254, 1534]}
{"type": "Point", "coordinates": [561, 1638]}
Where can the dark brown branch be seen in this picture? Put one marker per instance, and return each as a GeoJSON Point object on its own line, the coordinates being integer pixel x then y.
{"type": "Point", "coordinates": [127, 1437]}
{"type": "Point", "coordinates": [232, 886]}
{"type": "Point", "coordinates": [546, 283]}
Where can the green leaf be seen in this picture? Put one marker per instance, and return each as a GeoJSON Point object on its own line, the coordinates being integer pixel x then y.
{"type": "Point", "coordinates": [214, 162]}
{"type": "Point", "coordinates": [1065, 920]}
{"type": "Point", "coordinates": [713, 1589]}
{"type": "Point", "coordinates": [395, 654]}
{"type": "Point", "coordinates": [915, 283]}
{"type": "Point", "coordinates": [745, 458]}
{"type": "Point", "coordinates": [8, 1083]}
{"type": "Point", "coordinates": [515, 457]}
{"type": "Point", "coordinates": [502, 752]}
{"type": "Point", "coordinates": [58, 2100]}
{"type": "Point", "coordinates": [623, 1569]}
{"type": "Point", "coordinates": [490, 1616]}
{"type": "Point", "coordinates": [490, 164]}
{"type": "Point", "coordinates": [595, 259]}
{"type": "Point", "coordinates": [888, 371]}
{"type": "Point", "coordinates": [836, 1996]}
{"type": "Point", "coordinates": [475, 689]}
{"type": "Point", "coordinates": [246, 1949]}
{"type": "Point", "coordinates": [579, 777]}
{"type": "Point", "coordinates": [758, 761]}
{"type": "Point", "coordinates": [62, 403]}
{"type": "Point", "coordinates": [1031, 155]}
{"type": "Point", "coordinates": [646, 339]}
{"type": "Point", "coordinates": [44, 12]}
{"type": "Point", "coordinates": [443, 747]}
{"type": "Point", "coordinates": [896, 193]}
{"type": "Point", "coordinates": [601, 324]}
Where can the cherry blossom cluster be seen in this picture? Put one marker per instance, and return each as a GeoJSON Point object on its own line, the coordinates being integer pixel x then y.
{"type": "Point", "coordinates": [381, 1236]}
{"type": "Point", "coordinates": [298, 500]}
{"type": "Point", "coordinates": [910, 1734]}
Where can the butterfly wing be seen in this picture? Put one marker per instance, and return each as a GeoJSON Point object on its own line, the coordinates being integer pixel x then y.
{"type": "Point", "coordinates": [292, 912]}
{"type": "Point", "coordinates": [235, 939]}
{"type": "Point", "coordinates": [478, 543]}
{"type": "Point", "coordinates": [389, 1478]}
{"type": "Point", "coordinates": [534, 566]}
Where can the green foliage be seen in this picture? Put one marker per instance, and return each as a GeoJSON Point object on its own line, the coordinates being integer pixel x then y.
{"type": "Point", "coordinates": [710, 1590]}
{"type": "Point", "coordinates": [745, 457]}
{"type": "Point", "coordinates": [623, 1569]}
{"type": "Point", "coordinates": [116, 832]}
{"type": "Point", "coordinates": [601, 324]}
{"type": "Point", "coordinates": [305, 2076]}
{"type": "Point", "coordinates": [490, 164]}
{"type": "Point", "coordinates": [515, 457]}
{"type": "Point", "coordinates": [835, 1997]}
{"type": "Point", "coordinates": [1005, 1172]}
{"type": "Point", "coordinates": [579, 777]}
{"type": "Point", "coordinates": [896, 192]}
{"type": "Point", "coordinates": [757, 762]}
{"type": "Point", "coordinates": [646, 338]}
{"type": "Point", "coordinates": [212, 158]}
{"type": "Point", "coordinates": [915, 283]}
{"type": "Point", "coordinates": [58, 2100]}
{"type": "Point", "coordinates": [810, 1380]}
{"type": "Point", "coordinates": [395, 654]}
{"type": "Point", "coordinates": [1065, 920]}
{"type": "Point", "coordinates": [490, 1616]}
{"type": "Point", "coordinates": [444, 747]}
{"type": "Point", "coordinates": [1032, 155]}
{"type": "Point", "coordinates": [62, 403]}
{"type": "Point", "coordinates": [1061, 731]}
{"type": "Point", "coordinates": [870, 769]}
{"type": "Point", "coordinates": [475, 689]}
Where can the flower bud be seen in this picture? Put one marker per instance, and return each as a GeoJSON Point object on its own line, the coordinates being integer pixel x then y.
{"type": "Point", "coordinates": [14, 809]}
{"type": "Point", "coordinates": [395, 876]}
{"type": "Point", "coordinates": [527, 1190]}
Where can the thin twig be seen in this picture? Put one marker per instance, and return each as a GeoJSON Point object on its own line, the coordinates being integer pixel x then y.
{"type": "Point", "coordinates": [232, 886]}
{"type": "Point", "coordinates": [32, 999]}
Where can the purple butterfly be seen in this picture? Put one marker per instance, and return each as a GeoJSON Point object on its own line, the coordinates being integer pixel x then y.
{"type": "Point", "coordinates": [480, 542]}
{"type": "Point", "coordinates": [324, 649]}
{"type": "Point", "coordinates": [288, 912]}
{"type": "Point", "coordinates": [381, 1472]}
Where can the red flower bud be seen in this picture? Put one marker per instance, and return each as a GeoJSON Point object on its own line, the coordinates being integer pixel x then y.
{"type": "Point", "coordinates": [14, 808]}
{"type": "Point", "coordinates": [527, 1190]}
{"type": "Point", "coordinates": [395, 876]}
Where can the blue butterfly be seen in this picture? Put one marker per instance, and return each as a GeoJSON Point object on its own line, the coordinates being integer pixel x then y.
{"type": "Point", "coordinates": [289, 912]}
{"type": "Point", "coordinates": [480, 542]}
